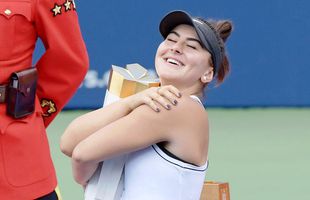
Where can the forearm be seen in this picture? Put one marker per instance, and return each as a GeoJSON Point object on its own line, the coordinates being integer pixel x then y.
{"type": "Point", "coordinates": [87, 124]}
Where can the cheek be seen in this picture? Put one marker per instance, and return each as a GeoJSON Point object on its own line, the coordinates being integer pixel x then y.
{"type": "Point", "coordinates": [201, 61]}
{"type": "Point", "coordinates": [161, 50]}
{"type": "Point", "coordinates": [157, 59]}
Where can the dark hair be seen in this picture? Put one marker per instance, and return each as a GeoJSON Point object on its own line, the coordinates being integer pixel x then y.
{"type": "Point", "coordinates": [223, 28]}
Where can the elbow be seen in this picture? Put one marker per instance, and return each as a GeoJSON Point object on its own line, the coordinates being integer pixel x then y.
{"type": "Point", "coordinates": [81, 57]}
{"type": "Point", "coordinates": [81, 68]}
{"type": "Point", "coordinates": [81, 156]}
{"type": "Point", "coordinates": [79, 178]}
{"type": "Point", "coordinates": [84, 65]}
{"type": "Point", "coordinates": [78, 156]}
{"type": "Point", "coordinates": [82, 73]}
{"type": "Point", "coordinates": [80, 167]}
{"type": "Point", "coordinates": [64, 147]}
{"type": "Point", "coordinates": [67, 141]}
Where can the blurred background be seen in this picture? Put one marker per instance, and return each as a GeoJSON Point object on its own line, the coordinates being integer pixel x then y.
{"type": "Point", "coordinates": [260, 116]}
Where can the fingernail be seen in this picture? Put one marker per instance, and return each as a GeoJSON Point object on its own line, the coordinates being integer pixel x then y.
{"type": "Point", "coordinates": [168, 106]}
{"type": "Point", "coordinates": [175, 102]}
{"type": "Point", "coordinates": [157, 110]}
{"type": "Point", "coordinates": [179, 95]}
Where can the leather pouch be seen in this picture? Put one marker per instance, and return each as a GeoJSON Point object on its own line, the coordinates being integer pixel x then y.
{"type": "Point", "coordinates": [22, 93]}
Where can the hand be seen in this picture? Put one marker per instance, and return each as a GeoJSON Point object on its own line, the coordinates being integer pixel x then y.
{"type": "Point", "coordinates": [164, 96]}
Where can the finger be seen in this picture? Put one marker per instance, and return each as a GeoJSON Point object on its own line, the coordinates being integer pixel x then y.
{"type": "Point", "coordinates": [163, 101]}
{"type": "Point", "coordinates": [150, 102]}
{"type": "Point", "coordinates": [174, 90]}
{"type": "Point", "coordinates": [170, 97]}
{"type": "Point", "coordinates": [169, 93]}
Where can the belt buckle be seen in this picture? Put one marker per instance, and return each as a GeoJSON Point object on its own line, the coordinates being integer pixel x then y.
{"type": "Point", "coordinates": [3, 91]}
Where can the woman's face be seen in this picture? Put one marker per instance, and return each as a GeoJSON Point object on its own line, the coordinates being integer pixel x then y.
{"type": "Point", "coordinates": [181, 60]}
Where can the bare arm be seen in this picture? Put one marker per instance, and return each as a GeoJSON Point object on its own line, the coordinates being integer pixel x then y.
{"type": "Point", "coordinates": [135, 131]}
{"type": "Point", "coordinates": [84, 126]}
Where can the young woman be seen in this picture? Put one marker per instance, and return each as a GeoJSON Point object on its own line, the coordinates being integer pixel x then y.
{"type": "Point", "coordinates": [168, 150]}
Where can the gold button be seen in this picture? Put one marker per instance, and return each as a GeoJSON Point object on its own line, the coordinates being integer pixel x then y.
{"type": "Point", "coordinates": [7, 11]}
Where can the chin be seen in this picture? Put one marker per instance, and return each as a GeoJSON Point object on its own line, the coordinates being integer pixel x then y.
{"type": "Point", "coordinates": [168, 78]}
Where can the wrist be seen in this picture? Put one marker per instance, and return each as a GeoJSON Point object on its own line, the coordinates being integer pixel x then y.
{"type": "Point", "coordinates": [127, 104]}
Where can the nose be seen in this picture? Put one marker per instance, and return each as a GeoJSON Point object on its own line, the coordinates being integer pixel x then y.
{"type": "Point", "coordinates": [177, 48]}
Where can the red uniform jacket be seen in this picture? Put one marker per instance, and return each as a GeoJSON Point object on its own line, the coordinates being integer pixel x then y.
{"type": "Point", "coordinates": [26, 169]}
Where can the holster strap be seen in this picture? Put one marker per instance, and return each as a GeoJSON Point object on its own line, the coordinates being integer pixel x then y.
{"type": "Point", "coordinates": [3, 93]}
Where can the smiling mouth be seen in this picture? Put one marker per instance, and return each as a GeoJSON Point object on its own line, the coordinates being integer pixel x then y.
{"type": "Point", "coordinates": [174, 62]}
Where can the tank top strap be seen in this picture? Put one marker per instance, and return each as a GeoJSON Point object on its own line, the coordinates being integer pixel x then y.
{"type": "Point", "coordinates": [196, 99]}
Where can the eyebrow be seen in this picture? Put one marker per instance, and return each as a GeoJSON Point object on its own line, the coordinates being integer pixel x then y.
{"type": "Point", "coordinates": [189, 38]}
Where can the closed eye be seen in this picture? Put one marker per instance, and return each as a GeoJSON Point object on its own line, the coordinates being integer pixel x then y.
{"type": "Point", "coordinates": [190, 46]}
{"type": "Point", "coordinates": [171, 40]}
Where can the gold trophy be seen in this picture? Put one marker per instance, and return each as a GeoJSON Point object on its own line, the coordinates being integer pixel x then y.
{"type": "Point", "coordinates": [124, 82]}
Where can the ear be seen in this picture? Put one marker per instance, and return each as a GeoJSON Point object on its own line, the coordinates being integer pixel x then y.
{"type": "Point", "coordinates": [207, 76]}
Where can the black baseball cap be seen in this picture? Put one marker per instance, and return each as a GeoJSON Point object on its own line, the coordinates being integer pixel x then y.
{"type": "Point", "coordinates": [208, 36]}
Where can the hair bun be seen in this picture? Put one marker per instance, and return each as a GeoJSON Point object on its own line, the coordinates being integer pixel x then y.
{"type": "Point", "coordinates": [224, 28]}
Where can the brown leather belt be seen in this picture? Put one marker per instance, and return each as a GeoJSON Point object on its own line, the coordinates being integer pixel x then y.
{"type": "Point", "coordinates": [3, 93]}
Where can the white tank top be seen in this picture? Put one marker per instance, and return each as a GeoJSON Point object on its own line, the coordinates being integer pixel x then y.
{"type": "Point", "coordinates": [151, 174]}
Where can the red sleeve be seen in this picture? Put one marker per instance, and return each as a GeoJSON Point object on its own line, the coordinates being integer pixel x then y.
{"type": "Point", "coordinates": [65, 62]}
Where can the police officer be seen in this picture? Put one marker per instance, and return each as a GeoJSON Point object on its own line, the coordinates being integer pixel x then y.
{"type": "Point", "coordinates": [26, 168]}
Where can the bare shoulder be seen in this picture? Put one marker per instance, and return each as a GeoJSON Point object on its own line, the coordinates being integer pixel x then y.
{"type": "Point", "coordinates": [187, 113]}
{"type": "Point", "coordinates": [191, 111]}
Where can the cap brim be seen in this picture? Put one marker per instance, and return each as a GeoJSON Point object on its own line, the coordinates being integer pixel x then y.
{"type": "Point", "coordinates": [173, 19]}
